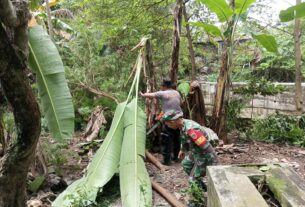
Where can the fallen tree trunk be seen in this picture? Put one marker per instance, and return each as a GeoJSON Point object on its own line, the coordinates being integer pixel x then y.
{"type": "Point", "coordinates": [167, 195]}
{"type": "Point", "coordinates": [154, 161]}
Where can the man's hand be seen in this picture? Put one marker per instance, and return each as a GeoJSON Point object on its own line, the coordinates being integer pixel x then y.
{"type": "Point", "coordinates": [181, 155]}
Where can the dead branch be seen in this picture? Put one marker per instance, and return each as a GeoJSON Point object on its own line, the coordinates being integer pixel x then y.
{"type": "Point", "coordinates": [96, 92]}
{"type": "Point", "coordinates": [154, 161]}
{"type": "Point", "coordinates": [167, 195]}
{"type": "Point", "coordinates": [132, 72]}
{"type": "Point", "coordinates": [95, 123]}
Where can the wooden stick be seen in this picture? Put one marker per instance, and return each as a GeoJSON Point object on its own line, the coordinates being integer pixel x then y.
{"type": "Point", "coordinates": [154, 161]}
{"type": "Point", "coordinates": [96, 92]}
{"type": "Point", "coordinates": [167, 195]}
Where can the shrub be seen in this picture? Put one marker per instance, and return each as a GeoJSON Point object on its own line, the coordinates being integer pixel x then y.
{"type": "Point", "coordinates": [280, 128]}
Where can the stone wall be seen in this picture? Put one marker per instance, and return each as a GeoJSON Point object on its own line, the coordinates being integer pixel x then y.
{"type": "Point", "coordinates": [259, 105]}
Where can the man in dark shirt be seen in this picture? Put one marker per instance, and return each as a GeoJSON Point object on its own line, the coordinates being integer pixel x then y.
{"type": "Point", "coordinates": [171, 101]}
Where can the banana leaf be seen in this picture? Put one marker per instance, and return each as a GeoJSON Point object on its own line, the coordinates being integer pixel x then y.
{"type": "Point", "coordinates": [241, 6]}
{"type": "Point", "coordinates": [103, 166]}
{"type": "Point", "coordinates": [129, 122]}
{"type": "Point", "coordinates": [34, 4]}
{"type": "Point", "coordinates": [52, 86]}
{"type": "Point", "coordinates": [209, 28]}
{"type": "Point", "coordinates": [184, 88]}
{"type": "Point", "coordinates": [135, 184]}
{"type": "Point", "coordinates": [267, 41]}
{"type": "Point", "coordinates": [293, 12]}
{"type": "Point", "coordinates": [220, 8]}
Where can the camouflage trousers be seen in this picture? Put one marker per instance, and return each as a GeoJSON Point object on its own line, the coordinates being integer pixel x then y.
{"type": "Point", "coordinates": [201, 161]}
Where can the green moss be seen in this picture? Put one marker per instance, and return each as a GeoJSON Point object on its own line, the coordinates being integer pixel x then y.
{"type": "Point", "coordinates": [277, 186]}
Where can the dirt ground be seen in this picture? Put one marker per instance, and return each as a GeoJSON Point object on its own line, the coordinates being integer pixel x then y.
{"type": "Point", "coordinates": [238, 152]}
{"type": "Point", "coordinates": [175, 180]}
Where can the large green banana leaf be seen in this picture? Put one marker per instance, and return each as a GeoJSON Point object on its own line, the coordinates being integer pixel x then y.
{"type": "Point", "coordinates": [220, 8]}
{"type": "Point", "coordinates": [209, 28]}
{"type": "Point", "coordinates": [103, 166]}
{"type": "Point", "coordinates": [135, 184]}
{"type": "Point", "coordinates": [241, 6]}
{"type": "Point", "coordinates": [267, 41]}
{"type": "Point", "coordinates": [53, 89]}
{"type": "Point", "coordinates": [293, 12]}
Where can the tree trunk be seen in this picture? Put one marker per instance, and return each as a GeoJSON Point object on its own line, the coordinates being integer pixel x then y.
{"type": "Point", "coordinates": [151, 105]}
{"type": "Point", "coordinates": [14, 165]}
{"type": "Point", "coordinates": [176, 41]}
{"type": "Point", "coordinates": [222, 95]}
{"type": "Point", "coordinates": [190, 44]}
{"type": "Point", "coordinates": [298, 74]}
{"type": "Point", "coordinates": [195, 97]}
{"type": "Point", "coordinates": [219, 114]}
{"type": "Point", "coordinates": [196, 101]}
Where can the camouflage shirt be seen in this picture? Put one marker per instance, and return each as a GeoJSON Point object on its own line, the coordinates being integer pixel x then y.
{"type": "Point", "coordinates": [195, 137]}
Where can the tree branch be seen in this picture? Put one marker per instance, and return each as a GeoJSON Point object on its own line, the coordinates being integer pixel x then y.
{"type": "Point", "coordinates": [96, 92]}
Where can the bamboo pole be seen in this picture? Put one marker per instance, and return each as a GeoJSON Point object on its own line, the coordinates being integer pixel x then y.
{"type": "Point", "coordinates": [154, 161]}
{"type": "Point", "coordinates": [167, 195]}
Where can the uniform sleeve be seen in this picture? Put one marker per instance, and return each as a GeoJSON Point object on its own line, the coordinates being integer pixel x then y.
{"type": "Point", "coordinates": [183, 143]}
{"type": "Point", "coordinates": [198, 137]}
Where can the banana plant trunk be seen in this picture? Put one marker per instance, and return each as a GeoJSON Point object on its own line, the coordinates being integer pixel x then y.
{"type": "Point", "coordinates": [14, 165]}
{"type": "Point", "coordinates": [195, 96]}
{"type": "Point", "coordinates": [219, 114]}
{"type": "Point", "coordinates": [222, 95]}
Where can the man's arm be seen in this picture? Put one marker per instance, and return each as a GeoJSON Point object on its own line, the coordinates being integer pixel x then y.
{"type": "Point", "coordinates": [148, 95]}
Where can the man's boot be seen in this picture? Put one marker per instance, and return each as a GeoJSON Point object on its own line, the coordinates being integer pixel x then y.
{"type": "Point", "coordinates": [166, 160]}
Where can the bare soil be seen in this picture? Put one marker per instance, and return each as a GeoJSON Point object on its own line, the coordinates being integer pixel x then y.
{"type": "Point", "coordinates": [174, 178]}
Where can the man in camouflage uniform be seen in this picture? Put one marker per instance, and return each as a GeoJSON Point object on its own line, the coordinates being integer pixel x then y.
{"type": "Point", "coordinates": [196, 140]}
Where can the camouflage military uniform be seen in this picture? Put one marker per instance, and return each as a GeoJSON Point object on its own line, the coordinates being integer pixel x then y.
{"type": "Point", "coordinates": [196, 140]}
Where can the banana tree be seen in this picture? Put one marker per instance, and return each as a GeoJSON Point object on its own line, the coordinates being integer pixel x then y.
{"type": "Point", "coordinates": [229, 15]}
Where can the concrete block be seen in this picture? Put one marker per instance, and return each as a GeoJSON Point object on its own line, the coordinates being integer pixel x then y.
{"type": "Point", "coordinates": [231, 186]}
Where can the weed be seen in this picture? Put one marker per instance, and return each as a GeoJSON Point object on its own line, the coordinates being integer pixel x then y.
{"type": "Point", "coordinates": [195, 193]}
{"type": "Point", "coordinates": [280, 128]}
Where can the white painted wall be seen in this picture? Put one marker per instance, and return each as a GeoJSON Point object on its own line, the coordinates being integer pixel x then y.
{"type": "Point", "coordinates": [262, 105]}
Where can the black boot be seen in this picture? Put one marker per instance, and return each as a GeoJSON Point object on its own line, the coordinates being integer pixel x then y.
{"type": "Point", "coordinates": [175, 159]}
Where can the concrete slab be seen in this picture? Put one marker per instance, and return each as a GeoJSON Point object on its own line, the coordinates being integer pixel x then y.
{"type": "Point", "coordinates": [287, 186]}
{"type": "Point", "coordinates": [231, 186]}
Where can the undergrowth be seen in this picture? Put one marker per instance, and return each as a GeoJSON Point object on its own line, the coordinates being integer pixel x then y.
{"type": "Point", "coordinates": [279, 128]}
